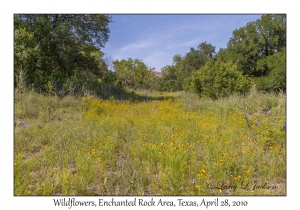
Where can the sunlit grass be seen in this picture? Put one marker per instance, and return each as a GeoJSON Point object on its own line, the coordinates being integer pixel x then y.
{"type": "Point", "coordinates": [87, 146]}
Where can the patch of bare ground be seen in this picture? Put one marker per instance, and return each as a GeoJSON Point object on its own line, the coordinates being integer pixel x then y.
{"type": "Point", "coordinates": [21, 124]}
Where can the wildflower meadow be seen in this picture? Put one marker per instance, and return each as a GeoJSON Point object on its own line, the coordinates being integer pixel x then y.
{"type": "Point", "coordinates": [169, 144]}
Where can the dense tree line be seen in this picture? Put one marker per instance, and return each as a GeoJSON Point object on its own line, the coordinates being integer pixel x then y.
{"type": "Point", "coordinates": [55, 52]}
{"type": "Point", "coordinates": [255, 55]}
{"type": "Point", "coordinates": [61, 54]}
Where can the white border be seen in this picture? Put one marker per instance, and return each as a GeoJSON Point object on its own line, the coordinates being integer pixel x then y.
{"type": "Point", "coordinates": [8, 201]}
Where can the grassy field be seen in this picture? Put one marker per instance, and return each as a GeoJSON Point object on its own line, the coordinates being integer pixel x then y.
{"type": "Point", "coordinates": [157, 144]}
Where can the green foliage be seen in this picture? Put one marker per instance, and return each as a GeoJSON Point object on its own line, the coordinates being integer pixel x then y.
{"type": "Point", "coordinates": [176, 77]}
{"type": "Point", "coordinates": [258, 49]}
{"type": "Point", "coordinates": [255, 42]}
{"type": "Point", "coordinates": [60, 54]}
{"type": "Point", "coordinates": [219, 79]}
{"type": "Point", "coordinates": [53, 48]}
{"type": "Point", "coordinates": [25, 49]}
{"type": "Point", "coordinates": [170, 80]}
{"type": "Point", "coordinates": [20, 77]}
{"type": "Point", "coordinates": [275, 81]}
{"type": "Point", "coordinates": [134, 73]}
{"type": "Point", "coordinates": [195, 59]}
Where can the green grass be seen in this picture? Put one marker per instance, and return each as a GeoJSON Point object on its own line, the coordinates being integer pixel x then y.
{"type": "Point", "coordinates": [174, 144]}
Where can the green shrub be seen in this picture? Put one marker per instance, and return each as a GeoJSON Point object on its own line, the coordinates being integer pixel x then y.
{"type": "Point", "coordinates": [217, 80]}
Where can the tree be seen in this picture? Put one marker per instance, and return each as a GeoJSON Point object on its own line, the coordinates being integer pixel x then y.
{"type": "Point", "coordinates": [25, 49]}
{"type": "Point", "coordinates": [207, 49]}
{"type": "Point", "coordinates": [256, 41]}
{"type": "Point", "coordinates": [64, 46]}
{"type": "Point", "coordinates": [196, 58]}
{"type": "Point", "coordinates": [176, 77]}
{"type": "Point", "coordinates": [276, 79]}
{"type": "Point", "coordinates": [258, 49]}
{"type": "Point", "coordinates": [133, 73]}
{"type": "Point", "coordinates": [170, 80]}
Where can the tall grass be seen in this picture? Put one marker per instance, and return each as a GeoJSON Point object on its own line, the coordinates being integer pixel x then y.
{"type": "Point", "coordinates": [179, 146]}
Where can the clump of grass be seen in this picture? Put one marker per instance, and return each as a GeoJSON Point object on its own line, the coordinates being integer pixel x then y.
{"type": "Point", "coordinates": [174, 146]}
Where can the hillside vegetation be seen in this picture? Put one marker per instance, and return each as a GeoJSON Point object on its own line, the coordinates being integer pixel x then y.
{"type": "Point", "coordinates": [60, 54]}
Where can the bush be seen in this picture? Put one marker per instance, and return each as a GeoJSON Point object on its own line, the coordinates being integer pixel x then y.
{"type": "Point", "coordinates": [219, 79]}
